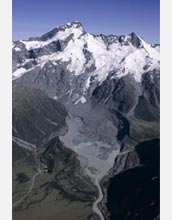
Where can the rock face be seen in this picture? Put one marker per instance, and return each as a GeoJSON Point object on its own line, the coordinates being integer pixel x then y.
{"type": "Point", "coordinates": [35, 115]}
{"type": "Point", "coordinates": [80, 99]}
{"type": "Point", "coordinates": [133, 192]}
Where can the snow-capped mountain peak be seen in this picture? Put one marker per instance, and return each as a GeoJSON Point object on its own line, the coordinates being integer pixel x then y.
{"type": "Point", "coordinates": [63, 31]}
{"type": "Point", "coordinates": [60, 33]}
{"type": "Point", "coordinates": [84, 57]}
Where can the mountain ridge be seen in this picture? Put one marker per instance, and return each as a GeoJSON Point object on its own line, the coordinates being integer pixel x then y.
{"type": "Point", "coordinates": [88, 58]}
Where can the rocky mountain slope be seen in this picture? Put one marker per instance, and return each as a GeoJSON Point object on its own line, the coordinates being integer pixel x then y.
{"type": "Point", "coordinates": [90, 97]}
{"type": "Point", "coordinates": [133, 189]}
{"type": "Point", "coordinates": [44, 171]}
{"type": "Point", "coordinates": [36, 116]}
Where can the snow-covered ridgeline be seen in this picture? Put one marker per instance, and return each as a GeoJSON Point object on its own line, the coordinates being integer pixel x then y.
{"type": "Point", "coordinates": [61, 35]}
{"type": "Point", "coordinates": [122, 58]}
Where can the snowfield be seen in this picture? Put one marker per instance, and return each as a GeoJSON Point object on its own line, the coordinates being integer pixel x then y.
{"type": "Point", "coordinates": [121, 57]}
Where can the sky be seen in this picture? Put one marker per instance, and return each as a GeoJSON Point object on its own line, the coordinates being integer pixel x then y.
{"type": "Point", "coordinates": [32, 18]}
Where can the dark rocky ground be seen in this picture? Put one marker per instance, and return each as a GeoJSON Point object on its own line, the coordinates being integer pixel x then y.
{"type": "Point", "coordinates": [133, 190]}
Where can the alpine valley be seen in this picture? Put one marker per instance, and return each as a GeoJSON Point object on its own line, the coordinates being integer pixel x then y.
{"type": "Point", "coordinates": [85, 126]}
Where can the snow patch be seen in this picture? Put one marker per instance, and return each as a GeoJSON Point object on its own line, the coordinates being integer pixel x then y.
{"type": "Point", "coordinates": [55, 97]}
{"type": "Point", "coordinates": [82, 100]}
{"type": "Point", "coordinates": [19, 72]}
{"type": "Point", "coordinates": [17, 49]}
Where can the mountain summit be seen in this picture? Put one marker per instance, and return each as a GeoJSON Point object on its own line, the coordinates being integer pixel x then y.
{"type": "Point", "coordinates": [90, 58]}
{"type": "Point", "coordinates": [68, 28]}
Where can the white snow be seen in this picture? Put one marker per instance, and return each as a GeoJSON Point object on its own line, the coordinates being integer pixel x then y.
{"type": "Point", "coordinates": [34, 44]}
{"type": "Point", "coordinates": [55, 97]}
{"type": "Point", "coordinates": [61, 35]}
{"type": "Point", "coordinates": [133, 64]}
{"type": "Point", "coordinates": [121, 59]}
{"type": "Point", "coordinates": [72, 53]}
{"type": "Point", "coordinates": [82, 100]}
{"type": "Point", "coordinates": [17, 49]}
{"type": "Point", "coordinates": [152, 52]}
{"type": "Point", "coordinates": [116, 57]}
{"type": "Point", "coordinates": [19, 72]}
{"type": "Point", "coordinates": [87, 85]}
{"type": "Point", "coordinates": [100, 54]}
